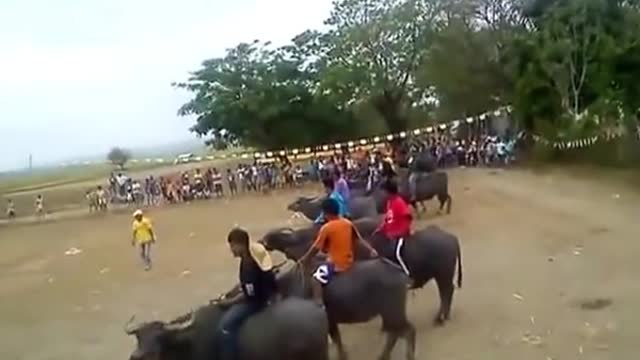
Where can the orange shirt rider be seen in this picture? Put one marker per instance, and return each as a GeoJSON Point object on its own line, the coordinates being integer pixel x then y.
{"type": "Point", "coordinates": [338, 238]}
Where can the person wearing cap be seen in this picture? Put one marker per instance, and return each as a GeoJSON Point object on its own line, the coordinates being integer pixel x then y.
{"type": "Point", "coordinates": [258, 284]}
{"type": "Point", "coordinates": [339, 239]}
{"type": "Point", "coordinates": [144, 236]}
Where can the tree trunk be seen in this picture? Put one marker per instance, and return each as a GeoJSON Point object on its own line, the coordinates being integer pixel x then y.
{"type": "Point", "coordinates": [389, 106]}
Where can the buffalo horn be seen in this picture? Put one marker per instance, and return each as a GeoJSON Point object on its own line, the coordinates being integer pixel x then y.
{"type": "Point", "coordinates": [181, 324]}
{"type": "Point", "coordinates": [130, 328]}
{"type": "Point", "coordinates": [287, 230]}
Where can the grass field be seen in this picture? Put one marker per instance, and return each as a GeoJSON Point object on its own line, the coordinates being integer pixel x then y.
{"type": "Point", "coordinates": [43, 179]}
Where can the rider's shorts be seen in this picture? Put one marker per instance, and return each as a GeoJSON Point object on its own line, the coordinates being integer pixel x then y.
{"type": "Point", "coordinates": [324, 273]}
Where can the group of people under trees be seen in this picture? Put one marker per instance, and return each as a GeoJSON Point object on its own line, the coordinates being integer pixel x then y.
{"type": "Point", "coordinates": [259, 177]}
{"type": "Point", "coordinates": [262, 177]}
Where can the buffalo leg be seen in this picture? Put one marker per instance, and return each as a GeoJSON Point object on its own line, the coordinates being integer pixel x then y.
{"type": "Point", "coordinates": [410, 337]}
{"type": "Point", "coordinates": [448, 203]}
{"type": "Point", "coordinates": [390, 343]}
{"type": "Point", "coordinates": [414, 205]}
{"type": "Point", "coordinates": [445, 199]}
{"type": "Point", "coordinates": [336, 338]}
{"type": "Point", "coordinates": [445, 289]}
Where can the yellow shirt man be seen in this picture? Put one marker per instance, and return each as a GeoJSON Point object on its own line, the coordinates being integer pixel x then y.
{"type": "Point", "coordinates": [142, 229]}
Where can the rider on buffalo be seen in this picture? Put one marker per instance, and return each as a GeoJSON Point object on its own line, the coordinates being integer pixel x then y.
{"type": "Point", "coordinates": [396, 225]}
{"type": "Point", "coordinates": [339, 239]}
{"type": "Point", "coordinates": [343, 207]}
{"type": "Point", "coordinates": [258, 285]}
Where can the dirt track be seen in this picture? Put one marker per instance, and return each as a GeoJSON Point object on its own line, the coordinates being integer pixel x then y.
{"type": "Point", "coordinates": [534, 249]}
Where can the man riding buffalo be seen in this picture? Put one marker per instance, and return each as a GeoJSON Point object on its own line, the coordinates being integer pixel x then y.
{"type": "Point", "coordinates": [341, 185]}
{"type": "Point", "coordinates": [355, 292]}
{"type": "Point", "coordinates": [396, 225]}
{"type": "Point", "coordinates": [258, 285]}
{"type": "Point", "coordinates": [343, 208]}
{"type": "Point", "coordinates": [421, 162]}
{"type": "Point", "coordinates": [339, 239]}
{"type": "Point", "coordinates": [245, 324]}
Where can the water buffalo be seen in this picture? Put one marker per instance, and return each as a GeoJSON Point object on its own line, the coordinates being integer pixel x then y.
{"type": "Point", "coordinates": [294, 243]}
{"type": "Point", "coordinates": [294, 329]}
{"type": "Point", "coordinates": [427, 186]}
{"type": "Point", "coordinates": [369, 289]}
{"type": "Point", "coordinates": [423, 161]}
{"type": "Point", "coordinates": [430, 253]}
{"type": "Point", "coordinates": [359, 207]}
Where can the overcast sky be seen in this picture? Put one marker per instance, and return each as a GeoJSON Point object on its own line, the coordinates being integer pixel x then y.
{"type": "Point", "coordinates": [79, 76]}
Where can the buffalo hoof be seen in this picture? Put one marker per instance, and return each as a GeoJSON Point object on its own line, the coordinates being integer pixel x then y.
{"type": "Point", "coordinates": [439, 320]}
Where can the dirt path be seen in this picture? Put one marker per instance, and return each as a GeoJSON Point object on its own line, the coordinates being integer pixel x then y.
{"type": "Point", "coordinates": [534, 249]}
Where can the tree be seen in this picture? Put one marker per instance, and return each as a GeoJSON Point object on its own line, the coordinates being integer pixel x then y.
{"type": "Point", "coordinates": [570, 39]}
{"type": "Point", "coordinates": [119, 156]}
{"type": "Point", "coordinates": [265, 97]}
{"type": "Point", "coordinates": [372, 52]}
{"type": "Point", "coordinates": [467, 60]}
{"type": "Point", "coordinates": [563, 65]}
{"type": "Point", "coordinates": [463, 71]}
{"type": "Point", "coordinates": [569, 71]}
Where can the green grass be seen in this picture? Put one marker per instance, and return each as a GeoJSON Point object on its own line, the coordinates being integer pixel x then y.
{"type": "Point", "coordinates": [42, 179]}
{"type": "Point", "coordinates": [47, 178]}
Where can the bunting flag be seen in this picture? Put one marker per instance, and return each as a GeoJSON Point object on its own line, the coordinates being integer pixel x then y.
{"type": "Point", "coordinates": [583, 142]}
{"type": "Point", "coordinates": [371, 143]}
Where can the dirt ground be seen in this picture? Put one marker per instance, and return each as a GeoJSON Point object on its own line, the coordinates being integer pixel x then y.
{"type": "Point", "coordinates": [537, 249]}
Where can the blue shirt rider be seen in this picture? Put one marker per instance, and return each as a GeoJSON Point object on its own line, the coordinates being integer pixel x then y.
{"type": "Point", "coordinates": [258, 285]}
{"type": "Point", "coordinates": [343, 209]}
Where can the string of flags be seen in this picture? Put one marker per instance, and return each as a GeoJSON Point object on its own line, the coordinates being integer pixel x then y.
{"type": "Point", "coordinates": [305, 152]}
{"type": "Point", "coordinates": [585, 141]}
{"type": "Point", "coordinates": [371, 142]}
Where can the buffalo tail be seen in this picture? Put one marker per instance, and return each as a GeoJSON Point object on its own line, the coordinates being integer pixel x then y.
{"type": "Point", "coordinates": [459, 267]}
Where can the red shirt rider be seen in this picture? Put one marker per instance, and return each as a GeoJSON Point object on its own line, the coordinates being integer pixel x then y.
{"type": "Point", "coordinates": [397, 219]}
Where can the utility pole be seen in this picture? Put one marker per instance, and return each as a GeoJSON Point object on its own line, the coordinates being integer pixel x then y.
{"type": "Point", "coordinates": [30, 162]}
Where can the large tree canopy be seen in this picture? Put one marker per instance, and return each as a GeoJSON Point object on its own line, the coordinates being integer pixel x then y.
{"type": "Point", "coordinates": [373, 51]}
{"type": "Point", "coordinates": [265, 97]}
{"type": "Point", "coordinates": [565, 66]}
